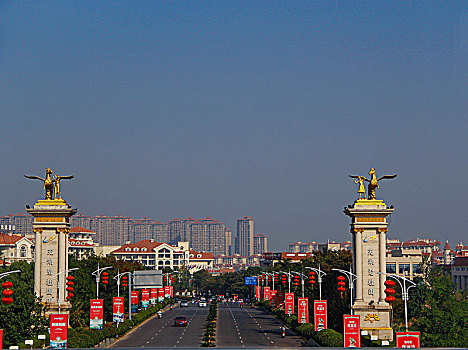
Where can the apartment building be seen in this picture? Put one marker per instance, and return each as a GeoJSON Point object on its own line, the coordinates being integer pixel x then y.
{"type": "Point", "coordinates": [245, 233]}
{"type": "Point", "coordinates": [260, 243]}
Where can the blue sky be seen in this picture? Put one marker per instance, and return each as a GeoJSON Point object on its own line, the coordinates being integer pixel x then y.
{"type": "Point", "coordinates": [226, 109]}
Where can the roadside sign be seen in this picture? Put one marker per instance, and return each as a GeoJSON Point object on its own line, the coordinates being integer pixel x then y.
{"type": "Point", "coordinates": [249, 281]}
{"type": "Point", "coordinates": [280, 297]}
{"type": "Point", "coordinates": [352, 331]}
{"type": "Point", "coordinates": [320, 315]}
{"type": "Point", "coordinates": [171, 291]}
{"type": "Point", "coordinates": [58, 331]}
{"type": "Point", "coordinates": [118, 309]}
{"type": "Point", "coordinates": [96, 313]}
{"type": "Point", "coordinates": [167, 291]}
{"type": "Point", "coordinates": [303, 310]}
{"type": "Point", "coordinates": [154, 295]}
{"type": "Point", "coordinates": [289, 304]}
{"type": "Point", "coordinates": [1, 338]}
{"type": "Point", "coordinates": [273, 298]}
{"type": "Point", "coordinates": [408, 340]}
{"type": "Point", "coordinates": [160, 295]}
{"type": "Point", "coordinates": [134, 300]}
{"type": "Point", "coordinates": [145, 298]}
{"type": "Point", "coordinates": [257, 292]}
{"type": "Point", "coordinates": [266, 293]}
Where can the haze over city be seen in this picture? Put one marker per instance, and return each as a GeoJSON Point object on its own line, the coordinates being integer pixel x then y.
{"type": "Point", "coordinates": [242, 108]}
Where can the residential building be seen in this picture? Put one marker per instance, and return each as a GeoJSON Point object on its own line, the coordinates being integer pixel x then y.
{"type": "Point", "coordinates": [260, 243]}
{"type": "Point", "coordinates": [14, 247]}
{"type": "Point", "coordinates": [245, 233]}
{"type": "Point", "coordinates": [460, 272]}
{"type": "Point", "coordinates": [300, 247]}
{"type": "Point", "coordinates": [21, 224]}
{"type": "Point", "coordinates": [405, 262]}
{"type": "Point", "coordinates": [228, 241]}
{"type": "Point", "coordinates": [81, 243]}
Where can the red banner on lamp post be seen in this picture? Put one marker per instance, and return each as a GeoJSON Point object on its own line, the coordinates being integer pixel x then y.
{"type": "Point", "coordinates": [160, 295]}
{"type": "Point", "coordinates": [257, 292]}
{"type": "Point", "coordinates": [171, 291]}
{"type": "Point", "coordinates": [303, 310]}
{"type": "Point", "coordinates": [118, 309]}
{"type": "Point", "coordinates": [96, 313]}
{"type": "Point", "coordinates": [274, 298]}
{"type": "Point", "coordinates": [154, 295]}
{"type": "Point", "coordinates": [1, 338]}
{"type": "Point", "coordinates": [167, 291]}
{"type": "Point", "coordinates": [352, 331]}
{"type": "Point", "coordinates": [145, 297]}
{"type": "Point", "coordinates": [289, 304]}
{"type": "Point", "coordinates": [58, 331]}
{"type": "Point", "coordinates": [320, 315]}
{"type": "Point", "coordinates": [408, 340]}
{"type": "Point", "coordinates": [266, 293]}
{"type": "Point", "coordinates": [134, 300]}
{"type": "Point", "coordinates": [280, 297]}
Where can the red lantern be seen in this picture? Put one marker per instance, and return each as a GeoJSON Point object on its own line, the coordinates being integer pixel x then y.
{"type": "Point", "coordinates": [124, 284]}
{"type": "Point", "coordinates": [389, 291]}
{"type": "Point", "coordinates": [70, 278]}
{"type": "Point", "coordinates": [70, 295]}
{"type": "Point", "coordinates": [70, 283]}
{"type": "Point", "coordinates": [7, 292]}
{"type": "Point", "coordinates": [7, 284]}
{"type": "Point", "coordinates": [69, 289]}
{"type": "Point", "coordinates": [7, 300]}
{"type": "Point", "coordinates": [341, 284]}
{"type": "Point", "coordinates": [284, 279]}
{"type": "Point", "coordinates": [390, 299]}
{"type": "Point", "coordinates": [389, 283]}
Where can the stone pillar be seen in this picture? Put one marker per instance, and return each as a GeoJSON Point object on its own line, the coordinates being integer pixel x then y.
{"type": "Point", "coordinates": [51, 227]}
{"type": "Point", "coordinates": [369, 227]}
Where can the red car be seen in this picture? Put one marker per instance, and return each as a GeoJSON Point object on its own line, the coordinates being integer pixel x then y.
{"type": "Point", "coordinates": [180, 321]}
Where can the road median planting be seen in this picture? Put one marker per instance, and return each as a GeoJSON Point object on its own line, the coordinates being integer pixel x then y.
{"type": "Point", "coordinates": [209, 336]}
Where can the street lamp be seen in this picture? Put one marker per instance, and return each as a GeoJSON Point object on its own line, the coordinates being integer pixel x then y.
{"type": "Point", "coordinates": [404, 290]}
{"type": "Point", "coordinates": [97, 273]}
{"type": "Point", "coordinates": [351, 278]}
{"type": "Point", "coordinates": [302, 280]}
{"type": "Point", "coordinates": [289, 274]}
{"type": "Point", "coordinates": [117, 277]}
{"type": "Point", "coordinates": [320, 274]}
{"type": "Point", "coordinates": [57, 276]}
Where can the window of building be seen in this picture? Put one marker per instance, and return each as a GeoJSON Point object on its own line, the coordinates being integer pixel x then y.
{"type": "Point", "coordinates": [417, 268]}
{"type": "Point", "coordinates": [23, 251]}
{"type": "Point", "coordinates": [127, 249]}
{"type": "Point", "coordinates": [391, 268]}
{"type": "Point", "coordinates": [144, 249]}
{"type": "Point", "coordinates": [403, 268]}
{"type": "Point", "coordinates": [135, 249]}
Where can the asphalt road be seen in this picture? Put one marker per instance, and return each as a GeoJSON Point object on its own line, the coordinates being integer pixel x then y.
{"type": "Point", "coordinates": [249, 327]}
{"type": "Point", "coordinates": [160, 333]}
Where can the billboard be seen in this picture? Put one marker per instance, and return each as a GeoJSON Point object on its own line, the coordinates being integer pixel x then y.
{"type": "Point", "coordinates": [303, 310]}
{"type": "Point", "coordinates": [58, 331]}
{"type": "Point", "coordinates": [408, 340]}
{"type": "Point", "coordinates": [289, 304]}
{"type": "Point", "coordinates": [154, 295]}
{"type": "Point", "coordinates": [320, 315]}
{"type": "Point", "coordinates": [266, 293]}
{"type": "Point", "coordinates": [118, 309]}
{"type": "Point", "coordinates": [352, 331]}
{"type": "Point", "coordinates": [134, 300]}
{"type": "Point", "coordinates": [96, 314]}
{"type": "Point", "coordinates": [145, 298]}
{"type": "Point", "coordinates": [147, 279]}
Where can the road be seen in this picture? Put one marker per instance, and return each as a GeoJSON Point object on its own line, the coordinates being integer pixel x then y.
{"type": "Point", "coordinates": [250, 327]}
{"type": "Point", "coordinates": [160, 333]}
{"type": "Point", "coordinates": [237, 327]}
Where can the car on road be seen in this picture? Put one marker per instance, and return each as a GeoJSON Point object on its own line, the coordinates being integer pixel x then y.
{"type": "Point", "coordinates": [202, 303]}
{"type": "Point", "coordinates": [184, 303]}
{"type": "Point", "coordinates": [180, 321]}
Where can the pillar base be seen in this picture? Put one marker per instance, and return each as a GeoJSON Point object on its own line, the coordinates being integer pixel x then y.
{"type": "Point", "coordinates": [375, 319]}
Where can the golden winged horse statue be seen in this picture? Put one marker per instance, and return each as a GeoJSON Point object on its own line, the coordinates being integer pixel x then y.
{"type": "Point", "coordinates": [373, 182]}
{"type": "Point", "coordinates": [50, 183]}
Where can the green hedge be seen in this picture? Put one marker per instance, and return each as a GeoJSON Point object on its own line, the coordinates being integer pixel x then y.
{"type": "Point", "coordinates": [329, 338]}
{"type": "Point", "coordinates": [89, 338]}
{"type": "Point", "coordinates": [210, 326]}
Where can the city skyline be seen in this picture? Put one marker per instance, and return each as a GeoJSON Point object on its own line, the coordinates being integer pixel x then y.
{"type": "Point", "coordinates": [230, 109]}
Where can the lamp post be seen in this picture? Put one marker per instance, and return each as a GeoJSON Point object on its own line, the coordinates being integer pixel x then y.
{"type": "Point", "coordinates": [351, 278]}
{"type": "Point", "coordinates": [302, 280]}
{"type": "Point", "coordinates": [404, 290]}
{"type": "Point", "coordinates": [289, 274]}
{"type": "Point", "coordinates": [320, 274]}
{"type": "Point", "coordinates": [57, 276]}
{"type": "Point", "coordinates": [117, 277]}
{"type": "Point", "coordinates": [97, 273]}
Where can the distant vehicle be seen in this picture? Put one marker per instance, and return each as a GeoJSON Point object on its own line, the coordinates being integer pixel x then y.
{"type": "Point", "coordinates": [202, 303]}
{"type": "Point", "coordinates": [180, 321]}
{"type": "Point", "coordinates": [184, 303]}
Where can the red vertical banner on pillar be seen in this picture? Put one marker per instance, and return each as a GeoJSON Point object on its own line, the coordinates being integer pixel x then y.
{"type": "Point", "coordinates": [154, 295]}
{"type": "Point", "coordinates": [58, 331]}
{"type": "Point", "coordinates": [118, 309]}
{"type": "Point", "coordinates": [266, 293]}
{"type": "Point", "coordinates": [145, 297]}
{"type": "Point", "coordinates": [134, 300]}
{"type": "Point", "coordinates": [352, 331]}
{"type": "Point", "coordinates": [289, 304]}
{"type": "Point", "coordinates": [171, 291]}
{"type": "Point", "coordinates": [408, 340]}
{"type": "Point", "coordinates": [96, 313]}
{"type": "Point", "coordinates": [280, 297]}
{"type": "Point", "coordinates": [167, 292]}
{"type": "Point", "coordinates": [160, 295]}
{"type": "Point", "coordinates": [1, 338]}
{"type": "Point", "coordinates": [257, 292]}
{"type": "Point", "coordinates": [320, 315]}
{"type": "Point", "coordinates": [303, 310]}
{"type": "Point", "coordinates": [273, 297]}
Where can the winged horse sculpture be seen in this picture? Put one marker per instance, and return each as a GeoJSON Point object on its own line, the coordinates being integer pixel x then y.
{"type": "Point", "coordinates": [373, 182]}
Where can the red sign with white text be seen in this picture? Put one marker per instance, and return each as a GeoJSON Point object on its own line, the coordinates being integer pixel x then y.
{"type": "Point", "coordinates": [266, 293]}
{"type": "Point", "coordinates": [1, 338]}
{"type": "Point", "coordinates": [118, 309]}
{"type": "Point", "coordinates": [303, 310]}
{"type": "Point", "coordinates": [58, 331]}
{"type": "Point", "coordinates": [135, 297]}
{"type": "Point", "coordinates": [320, 315]}
{"type": "Point", "coordinates": [273, 297]}
{"type": "Point", "coordinates": [171, 291]}
{"type": "Point", "coordinates": [167, 292]}
{"type": "Point", "coordinates": [145, 297]}
{"type": "Point", "coordinates": [352, 331]}
{"type": "Point", "coordinates": [280, 297]}
{"type": "Point", "coordinates": [408, 340]}
{"type": "Point", "coordinates": [257, 292]}
{"type": "Point", "coordinates": [289, 304]}
{"type": "Point", "coordinates": [96, 313]}
{"type": "Point", "coordinates": [154, 295]}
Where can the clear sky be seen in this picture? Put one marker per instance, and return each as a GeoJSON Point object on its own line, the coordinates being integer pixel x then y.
{"type": "Point", "coordinates": [230, 108]}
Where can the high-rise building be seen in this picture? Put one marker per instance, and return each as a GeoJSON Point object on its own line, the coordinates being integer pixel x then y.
{"type": "Point", "coordinates": [245, 233]}
{"type": "Point", "coordinates": [20, 224]}
{"type": "Point", "coordinates": [111, 230]}
{"type": "Point", "coordinates": [228, 239]}
{"type": "Point", "coordinates": [260, 243]}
